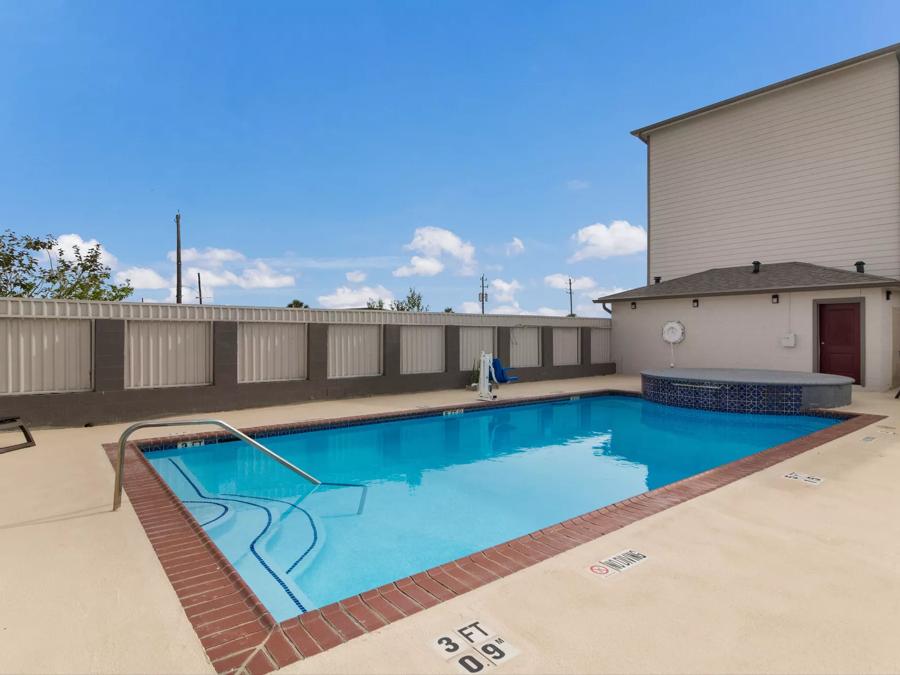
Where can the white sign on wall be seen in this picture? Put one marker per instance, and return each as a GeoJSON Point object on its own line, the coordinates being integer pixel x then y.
{"type": "Point", "coordinates": [473, 648]}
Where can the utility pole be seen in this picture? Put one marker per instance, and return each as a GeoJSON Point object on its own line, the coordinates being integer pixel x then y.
{"type": "Point", "coordinates": [482, 297]}
{"type": "Point", "coordinates": [178, 257]}
{"type": "Point", "coordinates": [571, 311]}
{"type": "Point", "coordinates": [199, 289]}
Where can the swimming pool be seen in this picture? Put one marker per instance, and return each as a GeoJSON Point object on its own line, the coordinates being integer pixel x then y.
{"type": "Point", "coordinates": [441, 487]}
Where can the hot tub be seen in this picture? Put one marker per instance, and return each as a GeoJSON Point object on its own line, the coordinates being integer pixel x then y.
{"type": "Point", "coordinates": [746, 390]}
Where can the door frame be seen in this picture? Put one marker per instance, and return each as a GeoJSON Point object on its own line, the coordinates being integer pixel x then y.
{"type": "Point", "coordinates": [862, 332]}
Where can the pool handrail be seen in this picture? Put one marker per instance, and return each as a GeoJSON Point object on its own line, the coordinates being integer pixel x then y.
{"type": "Point", "coordinates": [123, 440]}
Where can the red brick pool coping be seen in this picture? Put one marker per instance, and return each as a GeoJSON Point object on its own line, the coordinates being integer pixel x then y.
{"type": "Point", "coordinates": [239, 634]}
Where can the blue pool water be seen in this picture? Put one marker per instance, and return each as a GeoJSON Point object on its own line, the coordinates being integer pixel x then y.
{"type": "Point", "coordinates": [441, 487]}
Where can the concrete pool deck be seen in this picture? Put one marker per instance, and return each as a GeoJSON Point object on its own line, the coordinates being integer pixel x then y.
{"type": "Point", "coordinates": [763, 575]}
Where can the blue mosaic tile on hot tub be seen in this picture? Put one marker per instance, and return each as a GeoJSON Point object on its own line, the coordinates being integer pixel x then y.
{"type": "Point", "coordinates": [729, 397]}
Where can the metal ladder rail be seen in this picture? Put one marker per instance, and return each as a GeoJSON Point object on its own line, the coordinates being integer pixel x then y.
{"type": "Point", "coordinates": [123, 439]}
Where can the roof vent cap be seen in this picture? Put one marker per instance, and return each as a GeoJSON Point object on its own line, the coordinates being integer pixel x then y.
{"type": "Point", "coordinates": [860, 266]}
{"type": "Point", "coordinates": [756, 267]}
{"type": "Point", "coordinates": [656, 280]}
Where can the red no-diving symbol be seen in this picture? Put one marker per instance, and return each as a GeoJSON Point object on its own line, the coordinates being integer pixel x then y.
{"type": "Point", "coordinates": [600, 569]}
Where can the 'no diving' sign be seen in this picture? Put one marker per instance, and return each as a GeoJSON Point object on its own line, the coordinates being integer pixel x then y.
{"type": "Point", "coordinates": [616, 564]}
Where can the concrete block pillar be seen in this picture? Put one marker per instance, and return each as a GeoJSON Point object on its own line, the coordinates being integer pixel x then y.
{"type": "Point", "coordinates": [451, 349]}
{"type": "Point", "coordinates": [547, 346]}
{"type": "Point", "coordinates": [585, 339]}
{"type": "Point", "coordinates": [317, 352]}
{"type": "Point", "coordinates": [109, 355]}
{"type": "Point", "coordinates": [225, 352]}
{"type": "Point", "coordinates": [503, 345]}
{"type": "Point", "coordinates": [390, 345]}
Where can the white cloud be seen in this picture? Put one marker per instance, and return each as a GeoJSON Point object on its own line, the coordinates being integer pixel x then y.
{"type": "Point", "coordinates": [67, 243]}
{"type": "Point", "coordinates": [356, 276]}
{"type": "Point", "coordinates": [345, 297]}
{"type": "Point", "coordinates": [601, 241]}
{"type": "Point", "coordinates": [420, 267]}
{"type": "Point", "coordinates": [505, 291]}
{"type": "Point", "coordinates": [515, 247]}
{"type": "Point", "coordinates": [142, 277]}
{"type": "Point", "coordinates": [208, 257]}
{"type": "Point", "coordinates": [561, 282]}
{"type": "Point", "coordinates": [577, 184]}
{"type": "Point", "coordinates": [511, 308]}
{"type": "Point", "coordinates": [258, 275]}
{"type": "Point", "coordinates": [289, 261]}
{"type": "Point", "coordinates": [470, 307]}
{"type": "Point", "coordinates": [435, 242]}
{"type": "Point", "coordinates": [549, 311]}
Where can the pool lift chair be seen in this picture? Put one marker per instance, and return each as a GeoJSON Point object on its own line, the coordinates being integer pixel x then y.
{"type": "Point", "coordinates": [491, 372]}
{"type": "Point", "coordinates": [502, 377]}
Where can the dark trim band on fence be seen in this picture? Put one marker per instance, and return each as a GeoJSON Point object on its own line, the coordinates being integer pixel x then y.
{"type": "Point", "coordinates": [111, 401]}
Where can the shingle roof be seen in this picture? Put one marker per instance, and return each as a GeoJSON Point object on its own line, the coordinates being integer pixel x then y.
{"type": "Point", "coordinates": [772, 278]}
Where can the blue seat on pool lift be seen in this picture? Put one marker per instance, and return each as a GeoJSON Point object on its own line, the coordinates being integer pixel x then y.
{"type": "Point", "coordinates": [500, 373]}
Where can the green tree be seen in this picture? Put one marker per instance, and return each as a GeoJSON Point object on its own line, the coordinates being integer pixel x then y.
{"type": "Point", "coordinates": [373, 303]}
{"type": "Point", "coordinates": [411, 303]}
{"type": "Point", "coordinates": [448, 310]}
{"type": "Point", "coordinates": [297, 304]}
{"type": "Point", "coordinates": [33, 267]}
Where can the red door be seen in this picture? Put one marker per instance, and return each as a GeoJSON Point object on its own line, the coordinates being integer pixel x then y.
{"type": "Point", "coordinates": [839, 339]}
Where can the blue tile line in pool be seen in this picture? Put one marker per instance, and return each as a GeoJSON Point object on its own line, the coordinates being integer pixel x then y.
{"type": "Point", "coordinates": [258, 537]}
{"type": "Point", "coordinates": [224, 508]}
{"type": "Point", "coordinates": [312, 525]}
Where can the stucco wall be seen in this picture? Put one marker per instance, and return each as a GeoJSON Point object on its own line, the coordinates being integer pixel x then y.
{"type": "Point", "coordinates": [745, 332]}
{"type": "Point", "coordinates": [809, 172]}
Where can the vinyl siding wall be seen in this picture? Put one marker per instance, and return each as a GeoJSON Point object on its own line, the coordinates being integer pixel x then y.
{"type": "Point", "coordinates": [421, 349]}
{"type": "Point", "coordinates": [524, 347]}
{"type": "Point", "coordinates": [167, 353]}
{"type": "Point", "coordinates": [600, 345]}
{"type": "Point", "coordinates": [566, 346]}
{"type": "Point", "coordinates": [473, 341]}
{"type": "Point", "coordinates": [44, 355]}
{"type": "Point", "coordinates": [354, 350]}
{"type": "Point", "coordinates": [269, 352]}
{"type": "Point", "coordinates": [810, 172]}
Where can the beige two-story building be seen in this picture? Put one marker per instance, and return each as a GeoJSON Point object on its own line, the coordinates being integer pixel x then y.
{"type": "Point", "coordinates": [803, 177]}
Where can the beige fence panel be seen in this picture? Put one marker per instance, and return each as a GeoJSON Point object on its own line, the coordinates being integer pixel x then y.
{"type": "Point", "coordinates": [524, 347]}
{"type": "Point", "coordinates": [167, 353]}
{"type": "Point", "coordinates": [600, 345]}
{"type": "Point", "coordinates": [566, 346]}
{"type": "Point", "coordinates": [473, 341]}
{"type": "Point", "coordinates": [421, 349]}
{"type": "Point", "coordinates": [44, 356]}
{"type": "Point", "coordinates": [271, 352]}
{"type": "Point", "coordinates": [354, 350]}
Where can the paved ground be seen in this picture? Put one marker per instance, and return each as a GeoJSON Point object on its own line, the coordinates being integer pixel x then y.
{"type": "Point", "coordinates": [764, 575]}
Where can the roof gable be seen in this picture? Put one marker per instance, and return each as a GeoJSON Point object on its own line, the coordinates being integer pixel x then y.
{"type": "Point", "coordinates": [644, 132]}
{"type": "Point", "coordinates": [774, 277]}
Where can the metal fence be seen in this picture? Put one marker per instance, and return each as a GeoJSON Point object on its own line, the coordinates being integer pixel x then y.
{"type": "Point", "coordinates": [49, 346]}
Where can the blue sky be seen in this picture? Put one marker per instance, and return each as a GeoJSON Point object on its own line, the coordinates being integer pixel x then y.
{"type": "Point", "coordinates": [339, 150]}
